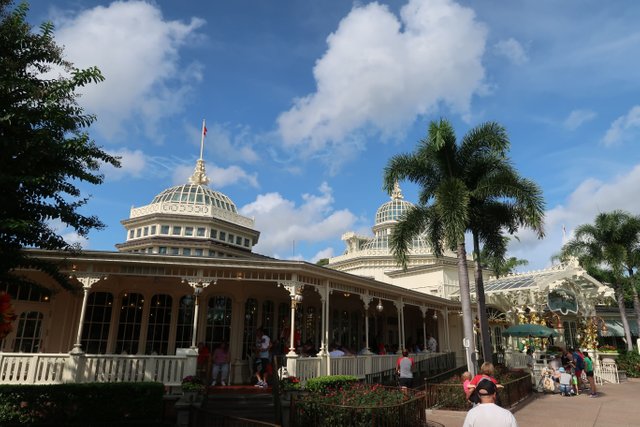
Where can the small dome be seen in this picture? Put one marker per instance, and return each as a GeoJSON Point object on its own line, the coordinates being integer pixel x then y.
{"type": "Point", "coordinates": [195, 194]}
{"type": "Point", "coordinates": [392, 210]}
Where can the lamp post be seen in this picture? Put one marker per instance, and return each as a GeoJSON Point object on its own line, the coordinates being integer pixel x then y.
{"type": "Point", "coordinates": [197, 290]}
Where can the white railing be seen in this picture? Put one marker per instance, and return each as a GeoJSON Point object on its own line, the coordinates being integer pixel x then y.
{"type": "Point", "coordinates": [359, 366]}
{"type": "Point", "coordinates": [40, 368]}
{"type": "Point", "coordinates": [515, 360]}
{"type": "Point", "coordinates": [606, 371]}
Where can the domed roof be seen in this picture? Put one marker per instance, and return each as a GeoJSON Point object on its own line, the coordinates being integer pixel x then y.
{"type": "Point", "coordinates": [394, 208]}
{"type": "Point", "coordinates": [195, 194]}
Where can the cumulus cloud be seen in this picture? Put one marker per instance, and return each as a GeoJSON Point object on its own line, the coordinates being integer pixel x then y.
{"type": "Point", "coordinates": [282, 222]}
{"type": "Point", "coordinates": [132, 163]}
{"type": "Point", "coordinates": [624, 128]}
{"type": "Point", "coordinates": [583, 204]}
{"type": "Point", "coordinates": [380, 71]}
{"type": "Point", "coordinates": [324, 253]}
{"type": "Point", "coordinates": [137, 51]}
{"type": "Point", "coordinates": [218, 177]}
{"type": "Point", "coordinates": [578, 117]}
{"type": "Point", "coordinates": [512, 50]}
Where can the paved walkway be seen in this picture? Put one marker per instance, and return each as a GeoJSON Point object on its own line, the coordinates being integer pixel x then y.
{"type": "Point", "coordinates": [617, 405]}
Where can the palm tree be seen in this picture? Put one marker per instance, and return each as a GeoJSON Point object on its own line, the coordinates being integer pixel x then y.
{"type": "Point", "coordinates": [500, 265]}
{"type": "Point", "coordinates": [606, 250]}
{"type": "Point", "coordinates": [464, 187]}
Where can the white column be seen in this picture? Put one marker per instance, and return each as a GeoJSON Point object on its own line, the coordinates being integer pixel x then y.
{"type": "Point", "coordinates": [198, 284]}
{"type": "Point", "coordinates": [324, 299]}
{"type": "Point", "coordinates": [446, 329]}
{"type": "Point", "coordinates": [87, 280]}
{"type": "Point", "coordinates": [424, 327]}
{"type": "Point", "coordinates": [295, 292]}
{"type": "Point", "coordinates": [366, 299]}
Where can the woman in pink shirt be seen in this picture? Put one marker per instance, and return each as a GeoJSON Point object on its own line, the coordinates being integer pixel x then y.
{"type": "Point", "coordinates": [221, 364]}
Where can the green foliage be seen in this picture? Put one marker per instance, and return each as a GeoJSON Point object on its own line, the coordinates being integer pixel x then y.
{"type": "Point", "coordinates": [363, 405]}
{"type": "Point", "coordinates": [330, 382]}
{"type": "Point", "coordinates": [629, 361]}
{"type": "Point", "coordinates": [98, 404]}
{"type": "Point", "coordinates": [45, 150]}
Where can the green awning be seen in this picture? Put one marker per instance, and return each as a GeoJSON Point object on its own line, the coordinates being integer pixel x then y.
{"type": "Point", "coordinates": [615, 329]}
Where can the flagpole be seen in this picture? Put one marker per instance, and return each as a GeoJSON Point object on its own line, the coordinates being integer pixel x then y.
{"type": "Point", "coordinates": [202, 139]}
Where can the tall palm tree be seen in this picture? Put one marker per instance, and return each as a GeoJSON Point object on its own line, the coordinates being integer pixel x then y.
{"type": "Point", "coordinates": [464, 187]}
{"type": "Point", "coordinates": [604, 249]}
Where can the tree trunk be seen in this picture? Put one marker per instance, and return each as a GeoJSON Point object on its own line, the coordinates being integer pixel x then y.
{"type": "Point", "coordinates": [485, 332]}
{"type": "Point", "coordinates": [465, 302]}
{"type": "Point", "coordinates": [623, 315]}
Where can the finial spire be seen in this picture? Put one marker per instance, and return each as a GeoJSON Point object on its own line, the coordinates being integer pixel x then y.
{"type": "Point", "coordinates": [199, 176]}
{"type": "Point", "coordinates": [397, 192]}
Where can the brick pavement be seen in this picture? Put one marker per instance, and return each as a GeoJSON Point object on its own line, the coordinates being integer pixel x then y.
{"type": "Point", "coordinates": [617, 405]}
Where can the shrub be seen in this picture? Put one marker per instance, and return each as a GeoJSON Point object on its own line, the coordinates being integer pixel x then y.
{"type": "Point", "coordinates": [330, 382]}
{"type": "Point", "coordinates": [95, 404]}
{"type": "Point", "coordinates": [361, 405]}
{"type": "Point", "coordinates": [629, 361]}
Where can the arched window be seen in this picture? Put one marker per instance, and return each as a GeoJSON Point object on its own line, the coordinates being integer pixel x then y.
{"type": "Point", "coordinates": [184, 328]}
{"type": "Point", "coordinates": [249, 336]}
{"type": "Point", "coordinates": [97, 320]}
{"type": "Point", "coordinates": [218, 321]}
{"type": "Point", "coordinates": [129, 323]}
{"type": "Point", "coordinates": [159, 324]}
{"type": "Point", "coordinates": [28, 332]}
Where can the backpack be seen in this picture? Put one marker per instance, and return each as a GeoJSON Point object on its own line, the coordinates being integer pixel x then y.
{"type": "Point", "coordinates": [579, 360]}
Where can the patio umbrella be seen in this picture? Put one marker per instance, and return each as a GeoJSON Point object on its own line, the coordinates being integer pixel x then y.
{"type": "Point", "coordinates": [529, 330]}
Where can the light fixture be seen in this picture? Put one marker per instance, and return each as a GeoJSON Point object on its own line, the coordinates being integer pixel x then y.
{"type": "Point", "coordinates": [347, 294]}
{"type": "Point", "coordinates": [379, 307]}
{"type": "Point", "coordinates": [298, 298]}
{"type": "Point", "coordinates": [435, 316]}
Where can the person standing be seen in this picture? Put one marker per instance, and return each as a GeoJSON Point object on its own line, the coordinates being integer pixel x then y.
{"type": "Point", "coordinates": [404, 367]}
{"type": "Point", "coordinates": [432, 344]}
{"type": "Point", "coordinates": [588, 369]}
{"type": "Point", "coordinates": [221, 364]}
{"type": "Point", "coordinates": [202, 362]}
{"type": "Point", "coordinates": [487, 413]}
{"type": "Point", "coordinates": [261, 364]}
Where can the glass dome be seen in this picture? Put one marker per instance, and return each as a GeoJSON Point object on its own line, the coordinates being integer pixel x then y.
{"type": "Point", "coordinates": [392, 210]}
{"type": "Point", "coordinates": [195, 194]}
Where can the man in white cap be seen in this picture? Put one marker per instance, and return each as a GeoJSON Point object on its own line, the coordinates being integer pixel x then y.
{"type": "Point", "coordinates": [487, 413]}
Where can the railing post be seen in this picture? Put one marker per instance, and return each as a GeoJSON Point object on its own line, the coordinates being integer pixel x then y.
{"type": "Point", "coordinates": [73, 367]}
{"type": "Point", "coordinates": [191, 364]}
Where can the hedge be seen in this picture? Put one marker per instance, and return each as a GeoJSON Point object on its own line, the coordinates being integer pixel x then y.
{"type": "Point", "coordinates": [94, 404]}
{"type": "Point", "coordinates": [329, 382]}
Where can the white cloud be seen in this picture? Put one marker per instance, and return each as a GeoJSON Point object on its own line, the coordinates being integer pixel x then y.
{"type": "Point", "coordinates": [324, 253]}
{"type": "Point", "coordinates": [281, 222]}
{"type": "Point", "coordinates": [137, 51]}
{"type": "Point", "coordinates": [578, 117]}
{"type": "Point", "coordinates": [68, 234]}
{"type": "Point", "coordinates": [232, 144]}
{"type": "Point", "coordinates": [379, 72]}
{"type": "Point", "coordinates": [624, 128]}
{"type": "Point", "coordinates": [132, 163]}
{"type": "Point", "coordinates": [581, 207]}
{"type": "Point", "coordinates": [512, 50]}
{"type": "Point", "coordinates": [218, 177]}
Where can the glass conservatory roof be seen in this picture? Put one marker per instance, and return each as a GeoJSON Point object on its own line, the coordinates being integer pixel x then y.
{"type": "Point", "coordinates": [195, 194]}
{"type": "Point", "coordinates": [394, 208]}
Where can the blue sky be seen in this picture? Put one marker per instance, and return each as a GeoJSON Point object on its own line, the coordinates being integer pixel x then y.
{"type": "Point", "coordinates": [305, 103]}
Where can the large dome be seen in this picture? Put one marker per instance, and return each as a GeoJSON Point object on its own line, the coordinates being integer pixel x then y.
{"type": "Point", "coordinates": [195, 194]}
